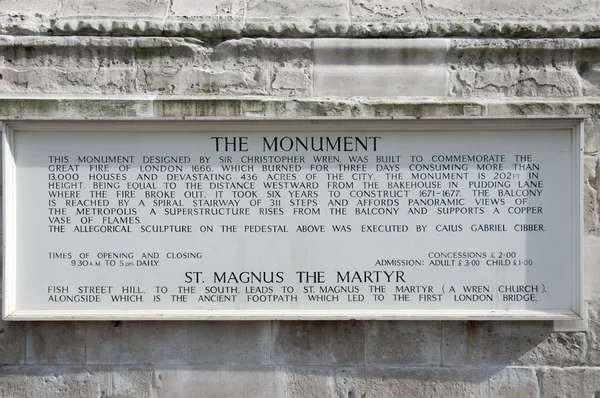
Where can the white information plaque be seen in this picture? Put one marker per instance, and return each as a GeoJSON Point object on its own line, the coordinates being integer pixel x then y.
{"type": "Point", "coordinates": [293, 219]}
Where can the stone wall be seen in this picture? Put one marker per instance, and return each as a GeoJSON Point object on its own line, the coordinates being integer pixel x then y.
{"type": "Point", "coordinates": [283, 58]}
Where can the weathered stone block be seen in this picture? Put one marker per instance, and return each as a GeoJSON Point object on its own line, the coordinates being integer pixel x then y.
{"type": "Point", "coordinates": [590, 209]}
{"type": "Point", "coordinates": [374, 108]}
{"type": "Point", "coordinates": [500, 343]}
{"type": "Point", "coordinates": [106, 108]}
{"type": "Point", "coordinates": [318, 343]}
{"type": "Point", "coordinates": [593, 335]}
{"type": "Point", "coordinates": [403, 343]}
{"type": "Point", "coordinates": [212, 18]}
{"type": "Point", "coordinates": [570, 382]}
{"type": "Point", "coordinates": [508, 68]}
{"type": "Point", "coordinates": [137, 342]}
{"type": "Point", "coordinates": [55, 342]}
{"type": "Point", "coordinates": [524, 107]}
{"type": "Point", "coordinates": [132, 382]}
{"type": "Point", "coordinates": [49, 7]}
{"type": "Point", "coordinates": [591, 276]}
{"type": "Point", "coordinates": [570, 10]}
{"type": "Point", "coordinates": [204, 8]}
{"type": "Point", "coordinates": [35, 107]}
{"type": "Point", "coordinates": [108, 16]}
{"type": "Point", "coordinates": [12, 342]}
{"type": "Point", "coordinates": [57, 80]}
{"type": "Point", "coordinates": [513, 382]}
{"type": "Point", "coordinates": [115, 8]}
{"type": "Point", "coordinates": [54, 382]}
{"type": "Point", "coordinates": [411, 382]}
{"type": "Point", "coordinates": [178, 67]}
{"type": "Point", "coordinates": [591, 127]}
{"type": "Point", "coordinates": [309, 382]}
{"type": "Point", "coordinates": [103, 343]}
{"type": "Point", "coordinates": [230, 343]}
{"type": "Point", "coordinates": [153, 342]}
{"type": "Point", "coordinates": [377, 67]}
{"type": "Point", "coordinates": [380, 18]}
{"type": "Point", "coordinates": [184, 382]}
{"type": "Point", "coordinates": [291, 80]}
{"type": "Point", "coordinates": [295, 18]}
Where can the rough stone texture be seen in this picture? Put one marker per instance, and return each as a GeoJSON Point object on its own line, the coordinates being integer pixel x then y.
{"type": "Point", "coordinates": [111, 16]}
{"type": "Point", "coordinates": [433, 68]}
{"type": "Point", "coordinates": [391, 18]}
{"type": "Point", "coordinates": [27, 17]}
{"type": "Point", "coordinates": [55, 342]}
{"type": "Point", "coordinates": [76, 382]}
{"type": "Point", "coordinates": [184, 382]}
{"type": "Point", "coordinates": [57, 382]}
{"type": "Point", "coordinates": [513, 382]}
{"type": "Point", "coordinates": [155, 65]}
{"type": "Point", "coordinates": [504, 343]}
{"type": "Point", "coordinates": [487, 68]}
{"type": "Point", "coordinates": [570, 382]}
{"type": "Point", "coordinates": [214, 18]}
{"type": "Point", "coordinates": [319, 343]}
{"type": "Point", "coordinates": [593, 336]}
{"type": "Point", "coordinates": [293, 18]}
{"type": "Point", "coordinates": [410, 382]}
{"type": "Point", "coordinates": [310, 382]}
{"type": "Point", "coordinates": [296, 18]}
{"type": "Point", "coordinates": [407, 343]}
{"type": "Point", "coordinates": [163, 343]}
{"type": "Point", "coordinates": [12, 342]}
{"type": "Point", "coordinates": [132, 382]}
{"type": "Point", "coordinates": [224, 343]}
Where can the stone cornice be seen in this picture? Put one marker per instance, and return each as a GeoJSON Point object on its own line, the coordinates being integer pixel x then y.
{"type": "Point", "coordinates": [303, 19]}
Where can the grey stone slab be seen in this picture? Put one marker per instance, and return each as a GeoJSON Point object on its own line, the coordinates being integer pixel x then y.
{"type": "Point", "coordinates": [503, 343]}
{"type": "Point", "coordinates": [318, 343]}
{"type": "Point", "coordinates": [570, 382]}
{"type": "Point", "coordinates": [593, 335]}
{"type": "Point", "coordinates": [132, 382]}
{"type": "Point", "coordinates": [590, 209]}
{"type": "Point", "coordinates": [55, 342]}
{"type": "Point", "coordinates": [102, 343]}
{"type": "Point", "coordinates": [374, 382]}
{"type": "Point", "coordinates": [106, 108]}
{"type": "Point", "coordinates": [115, 8]}
{"type": "Point", "coordinates": [379, 67]}
{"type": "Point", "coordinates": [553, 10]}
{"type": "Point", "coordinates": [211, 17]}
{"type": "Point", "coordinates": [198, 382]}
{"type": "Point", "coordinates": [296, 18]}
{"type": "Point", "coordinates": [54, 382]}
{"type": "Point", "coordinates": [591, 278]}
{"type": "Point", "coordinates": [387, 108]}
{"type": "Point", "coordinates": [230, 343]}
{"type": "Point", "coordinates": [163, 343]}
{"type": "Point", "coordinates": [403, 343]}
{"type": "Point", "coordinates": [513, 382]}
{"type": "Point", "coordinates": [207, 8]}
{"type": "Point", "coordinates": [49, 7]}
{"type": "Point", "coordinates": [534, 68]}
{"type": "Point", "coordinates": [309, 382]}
{"type": "Point", "coordinates": [12, 342]}
{"type": "Point", "coordinates": [394, 18]}
{"type": "Point", "coordinates": [33, 107]}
